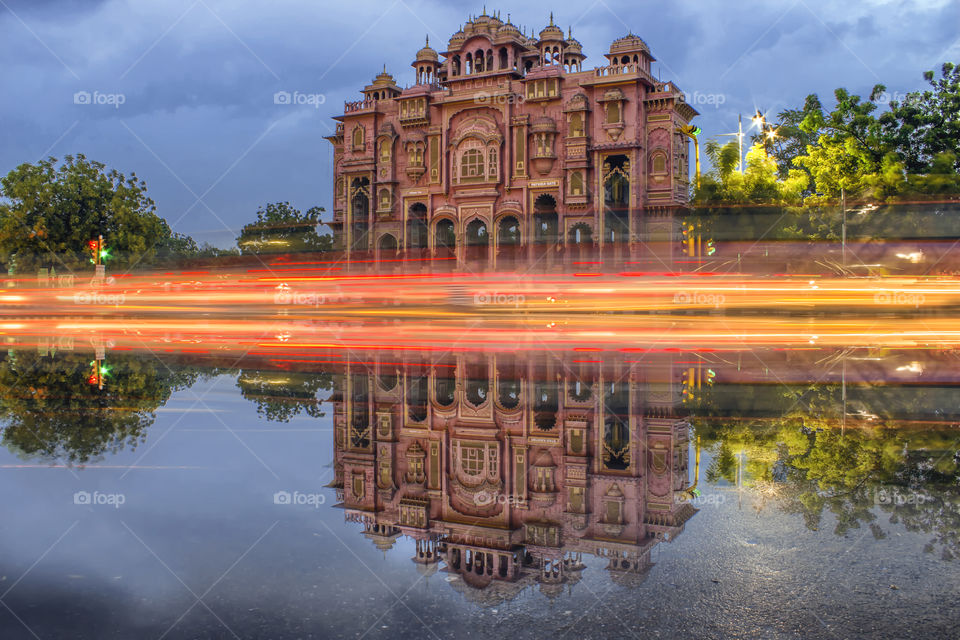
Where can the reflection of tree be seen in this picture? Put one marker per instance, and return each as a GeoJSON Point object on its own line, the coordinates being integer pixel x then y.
{"type": "Point", "coordinates": [51, 412]}
{"type": "Point", "coordinates": [282, 395]}
{"type": "Point", "coordinates": [808, 466]}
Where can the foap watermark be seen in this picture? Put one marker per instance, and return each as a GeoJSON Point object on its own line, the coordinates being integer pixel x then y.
{"type": "Point", "coordinates": [97, 499]}
{"type": "Point", "coordinates": [899, 97]}
{"type": "Point", "coordinates": [710, 99]}
{"type": "Point", "coordinates": [499, 98]}
{"type": "Point", "coordinates": [896, 497]}
{"type": "Point", "coordinates": [299, 297]}
{"type": "Point", "coordinates": [699, 298]}
{"type": "Point", "coordinates": [708, 500]}
{"type": "Point", "coordinates": [95, 297]}
{"type": "Point", "coordinates": [97, 98]}
{"type": "Point", "coordinates": [297, 98]}
{"type": "Point", "coordinates": [903, 298]}
{"type": "Point", "coordinates": [495, 297]}
{"type": "Point", "coordinates": [299, 498]}
{"type": "Point", "coordinates": [485, 499]}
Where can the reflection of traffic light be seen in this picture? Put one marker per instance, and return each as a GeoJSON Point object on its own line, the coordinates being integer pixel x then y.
{"type": "Point", "coordinates": [689, 240]}
{"type": "Point", "coordinates": [711, 374]}
{"type": "Point", "coordinates": [710, 248]}
{"type": "Point", "coordinates": [98, 372]}
{"type": "Point", "coordinates": [691, 381]}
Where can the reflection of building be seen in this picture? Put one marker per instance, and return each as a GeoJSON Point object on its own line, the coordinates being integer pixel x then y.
{"type": "Point", "coordinates": [508, 472]}
{"type": "Point", "coordinates": [504, 142]}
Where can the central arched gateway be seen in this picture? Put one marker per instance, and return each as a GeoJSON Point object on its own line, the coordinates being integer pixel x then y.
{"type": "Point", "coordinates": [477, 240]}
{"type": "Point", "coordinates": [546, 226]}
{"type": "Point", "coordinates": [444, 238]}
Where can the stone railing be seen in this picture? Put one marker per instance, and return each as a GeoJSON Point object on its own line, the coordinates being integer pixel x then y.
{"type": "Point", "coordinates": [359, 105]}
{"type": "Point", "coordinates": [622, 69]}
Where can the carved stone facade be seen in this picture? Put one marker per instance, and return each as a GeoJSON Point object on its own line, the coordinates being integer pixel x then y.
{"type": "Point", "coordinates": [507, 472]}
{"type": "Point", "coordinates": [505, 147]}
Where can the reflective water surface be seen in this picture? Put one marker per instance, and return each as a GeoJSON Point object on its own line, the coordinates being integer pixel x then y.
{"type": "Point", "coordinates": [440, 494]}
{"type": "Point", "coordinates": [739, 426]}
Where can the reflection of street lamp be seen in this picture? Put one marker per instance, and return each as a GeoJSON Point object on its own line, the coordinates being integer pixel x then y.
{"type": "Point", "coordinates": [692, 132]}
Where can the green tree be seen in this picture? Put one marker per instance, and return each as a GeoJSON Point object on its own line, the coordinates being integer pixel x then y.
{"type": "Point", "coordinates": [282, 395]}
{"type": "Point", "coordinates": [926, 124]}
{"type": "Point", "coordinates": [280, 228]}
{"type": "Point", "coordinates": [53, 211]}
{"type": "Point", "coordinates": [758, 184]}
{"type": "Point", "coordinates": [51, 412]}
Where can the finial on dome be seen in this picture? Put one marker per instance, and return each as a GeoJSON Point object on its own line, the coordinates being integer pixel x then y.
{"type": "Point", "coordinates": [571, 32]}
{"type": "Point", "coordinates": [428, 39]}
{"type": "Point", "coordinates": [508, 17]}
{"type": "Point", "coordinates": [551, 18]}
{"type": "Point", "coordinates": [484, 10]}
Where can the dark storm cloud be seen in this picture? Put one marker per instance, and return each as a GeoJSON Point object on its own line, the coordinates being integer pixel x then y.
{"type": "Point", "coordinates": [182, 91]}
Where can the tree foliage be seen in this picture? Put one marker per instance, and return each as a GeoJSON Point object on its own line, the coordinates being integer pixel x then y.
{"type": "Point", "coordinates": [52, 413]}
{"type": "Point", "coordinates": [52, 211]}
{"type": "Point", "coordinates": [282, 395]}
{"type": "Point", "coordinates": [280, 228]}
{"type": "Point", "coordinates": [867, 151]}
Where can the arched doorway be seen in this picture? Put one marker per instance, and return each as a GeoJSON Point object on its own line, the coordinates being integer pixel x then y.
{"type": "Point", "coordinates": [477, 243]}
{"type": "Point", "coordinates": [616, 200]}
{"type": "Point", "coordinates": [580, 241]}
{"type": "Point", "coordinates": [359, 213]}
{"type": "Point", "coordinates": [508, 241]}
{"type": "Point", "coordinates": [444, 239]}
{"type": "Point", "coordinates": [387, 247]}
{"type": "Point", "coordinates": [417, 230]}
{"type": "Point", "coordinates": [546, 226]}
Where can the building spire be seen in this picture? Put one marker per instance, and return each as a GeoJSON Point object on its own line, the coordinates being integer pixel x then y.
{"type": "Point", "coordinates": [428, 39]}
{"type": "Point", "coordinates": [551, 18]}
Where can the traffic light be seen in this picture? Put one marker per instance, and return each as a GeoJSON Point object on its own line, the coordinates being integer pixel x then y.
{"type": "Point", "coordinates": [94, 247]}
{"type": "Point", "coordinates": [711, 249]}
{"type": "Point", "coordinates": [98, 252]}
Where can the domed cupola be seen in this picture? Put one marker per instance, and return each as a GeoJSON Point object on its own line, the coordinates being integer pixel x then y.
{"type": "Point", "coordinates": [551, 33]}
{"type": "Point", "coordinates": [630, 49]}
{"type": "Point", "coordinates": [573, 56]}
{"type": "Point", "coordinates": [457, 40]}
{"type": "Point", "coordinates": [508, 33]}
{"type": "Point", "coordinates": [427, 64]}
{"type": "Point", "coordinates": [382, 88]}
{"type": "Point", "coordinates": [551, 44]}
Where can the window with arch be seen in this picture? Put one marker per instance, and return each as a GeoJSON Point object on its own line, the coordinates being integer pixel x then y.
{"type": "Point", "coordinates": [384, 199]}
{"type": "Point", "coordinates": [477, 162]}
{"type": "Point", "coordinates": [478, 460]}
{"type": "Point", "coordinates": [385, 145]}
{"type": "Point", "coordinates": [471, 164]}
{"type": "Point", "coordinates": [659, 163]}
{"type": "Point", "coordinates": [357, 138]}
{"type": "Point", "coordinates": [576, 125]}
{"type": "Point", "coordinates": [576, 183]}
{"type": "Point", "coordinates": [614, 112]}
